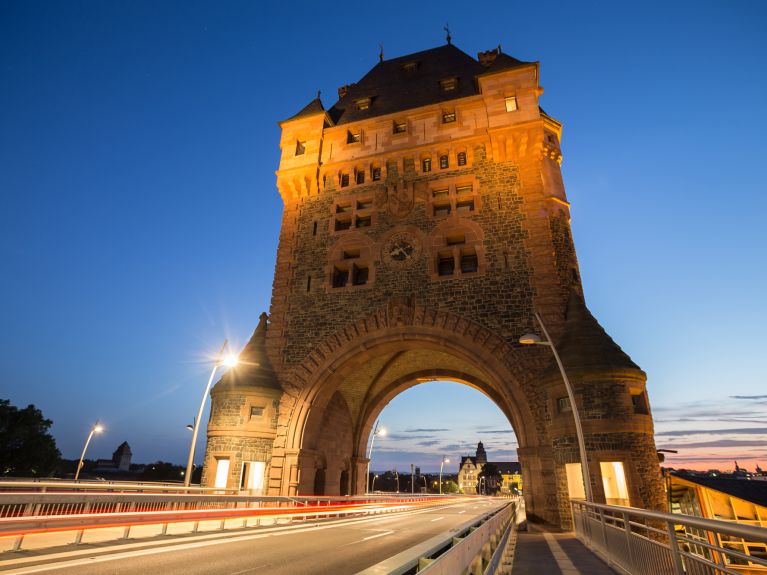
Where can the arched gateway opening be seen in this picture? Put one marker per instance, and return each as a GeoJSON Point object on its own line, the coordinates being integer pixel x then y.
{"type": "Point", "coordinates": [421, 233]}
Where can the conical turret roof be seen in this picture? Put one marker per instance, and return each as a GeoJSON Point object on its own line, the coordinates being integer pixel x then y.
{"type": "Point", "coordinates": [254, 368]}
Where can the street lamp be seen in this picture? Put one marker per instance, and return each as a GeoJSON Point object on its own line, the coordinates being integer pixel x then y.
{"type": "Point", "coordinates": [425, 487]}
{"type": "Point", "coordinates": [376, 433]}
{"type": "Point", "coordinates": [441, 465]}
{"type": "Point", "coordinates": [534, 339]}
{"type": "Point", "coordinates": [98, 428]}
{"type": "Point", "coordinates": [374, 480]}
{"type": "Point", "coordinates": [229, 360]}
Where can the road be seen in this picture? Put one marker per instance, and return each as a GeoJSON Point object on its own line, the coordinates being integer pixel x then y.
{"type": "Point", "coordinates": [340, 547]}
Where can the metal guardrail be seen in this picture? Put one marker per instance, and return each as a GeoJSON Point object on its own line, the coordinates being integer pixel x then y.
{"type": "Point", "coordinates": [640, 542]}
{"type": "Point", "coordinates": [474, 548]}
{"type": "Point", "coordinates": [41, 513]}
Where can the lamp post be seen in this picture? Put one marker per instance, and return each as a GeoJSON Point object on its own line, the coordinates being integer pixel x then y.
{"type": "Point", "coordinates": [376, 433]}
{"type": "Point", "coordinates": [374, 480]}
{"type": "Point", "coordinates": [425, 487]}
{"type": "Point", "coordinates": [534, 339]}
{"type": "Point", "coordinates": [98, 428]}
{"type": "Point", "coordinates": [441, 465]}
{"type": "Point", "coordinates": [229, 361]}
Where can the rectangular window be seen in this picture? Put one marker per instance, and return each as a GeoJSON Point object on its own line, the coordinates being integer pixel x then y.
{"type": "Point", "coordinates": [363, 104]}
{"type": "Point", "coordinates": [448, 84]}
{"type": "Point", "coordinates": [400, 127]}
{"type": "Point", "coordinates": [614, 483]}
{"type": "Point", "coordinates": [465, 206]}
{"type": "Point", "coordinates": [343, 208]}
{"type": "Point", "coordinates": [442, 209]}
{"type": "Point", "coordinates": [468, 261]}
{"type": "Point", "coordinates": [364, 222]}
{"type": "Point", "coordinates": [376, 174]}
{"type": "Point", "coordinates": [359, 275]}
{"type": "Point", "coordinates": [300, 148]}
{"type": "Point", "coordinates": [253, 477]}
{"type": "Point", "coordinates": [563, 405]}
{"type": "Point", "coordinates": [639, 401]}
{"type": "Point", "coordinates": [359, 177]}
{"type": "Point", "coordinates": [353, 137]}
{"type": "Point", "coordinates": [448, 117]}
{"type": "Point", "coordinates": [256, 411]}
{"type": "Point", "coordinates": [511, 103]}
{"type": "Point", "coordinates": [446, 264]}
{"type": "Point", "coordinates": [222, 472]}
{"type": "Point", "coordinates": [344, 180]}
{"type": "Point", "coordinates": [463, 189]}
{"type": "Point", "coordinates": [344, 224]}
{"type": "Point", "coordinates": [340, 277]}
{"type": "Point", "coordinates": [575, 488]}
{"type": "Point", "coordinates": [364, 204]}
{"type": "Point", "coordinates": [426, 164]}
{"type": "Point", "coordinates": [442, 193]}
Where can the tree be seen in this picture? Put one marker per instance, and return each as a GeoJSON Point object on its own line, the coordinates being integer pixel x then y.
{"type": "Point", "coordinates": [492, 482]}
{"type": "Point", "coordinates": [162, 471]}
{"type": "Point", "coordinates": [26, 447]}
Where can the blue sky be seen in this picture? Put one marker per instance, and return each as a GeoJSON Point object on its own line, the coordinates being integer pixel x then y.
{"type": "Point", "coordinates": [139, 215]}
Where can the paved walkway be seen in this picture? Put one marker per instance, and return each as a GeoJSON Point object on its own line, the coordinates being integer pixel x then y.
{"type": "Point", "coordinates": [544, 553]}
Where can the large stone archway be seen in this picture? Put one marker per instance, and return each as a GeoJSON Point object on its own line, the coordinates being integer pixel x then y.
{"type": "Point", "coordinates": [419, 237]}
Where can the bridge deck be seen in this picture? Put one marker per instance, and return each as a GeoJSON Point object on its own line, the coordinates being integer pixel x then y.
{"type": "Point", "coordinates": [539, 553]}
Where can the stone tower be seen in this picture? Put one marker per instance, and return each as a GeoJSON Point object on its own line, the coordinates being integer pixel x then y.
{"type": "Point", "coordinates": [481, 454]}
{"type": "Point", "coordinates": [425, 222]}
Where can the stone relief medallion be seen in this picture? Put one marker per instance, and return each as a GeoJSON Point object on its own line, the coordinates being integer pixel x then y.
{"type": "Point", "coordinates": [401, 250]}
{"type": "Point", "coordinates": [398, 199]}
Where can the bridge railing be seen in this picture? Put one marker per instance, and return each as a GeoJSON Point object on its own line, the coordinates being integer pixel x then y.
{"type": "Point", "coordinates": [641, 542]}
{"type": "Point", "coordinates": [37, 519]}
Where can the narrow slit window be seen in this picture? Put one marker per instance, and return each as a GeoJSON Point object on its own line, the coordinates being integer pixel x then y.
{"type": "Point", "coordinates": [314, 229]}
{"type": "Point", "coordinates": [309, 283]}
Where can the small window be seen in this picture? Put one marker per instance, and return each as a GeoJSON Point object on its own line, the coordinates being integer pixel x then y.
{"type": "Point", "coordinates": [256, 411]}
{"type": "Point", "coordinates": [340, 277]}
{"type": "Point", "coordinates": [460, 190]}
{"type": "Point", "coordinates": [442, 209]}
{"type": "Point", "coordinates": [464, 206]}
{"type": "Point", "coordinates": [448, 117]}
{"type": "Point", "coordinates": [461, 158]}
{"type": "Point", "coordinates": [409, 67]}
{"type": "Point", "coordinates": [563, 405]}
{"type": "Point", "coordinates": [342, 225]}
{"type": "Point", "coordinates": [353, 137]}
{"type": "Point", "coordinates": [426, 164]}
{"type": "Point", "coordinates": [359, 275]}
{"type": "Point", "coordinates": [443, 162]}
{"type": "Point", "coordinates": [351, 254]}
{"type": "Point", "coordinates": [400, 127]}
{"type": "Point", "coordinates": [448, 84]}
{"type": "Point", "coordinates": [364, 204]}
{"type": "Point", "coordinates": [375, 174]}
{"type": "Point", "coordinates": [364, 222]}
{"type": "Point", "coordinates": [446, 264]}
{"type": "Point", "coordinates": [314, 229]}
{"type": "Point", "coordinates": [343, 208]}
{"type": "Point", "coordinates": [639, 402]}
{"type": "Point", "coordinates": [360, 177]}
{"type": "Point", "coordinates": [442, 193]}
{"type": "Point", "coordinates": [344, 180]}
{"type": "Point", "coordinates": [309, 283]}
{"type": "Point", "coordinates": [300, 148]}
{"type": "Point", "coordinates": [469, 262]}
{"type": "Point", "coordinates": [363, 103]}
{"type": "Point", "coordinates": [511, 103]}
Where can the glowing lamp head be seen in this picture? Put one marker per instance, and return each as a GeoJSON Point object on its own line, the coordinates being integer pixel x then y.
{"type": "Point", "coordinates": [381, 432]}
{"type": "Point", "coordinates": [98, 428]}
{"type": "Point", "coordinates": [530, 339]}
{"type": "Point", "coordinates": [230, 360]}
{"type": "Point", "coordinates": [446, 460]}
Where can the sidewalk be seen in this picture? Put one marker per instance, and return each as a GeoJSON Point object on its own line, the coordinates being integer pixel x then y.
{"type": "Point", "coordinates": [543, 553]}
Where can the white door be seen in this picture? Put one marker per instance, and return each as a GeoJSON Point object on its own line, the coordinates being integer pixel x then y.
{"type": "Point", "coordinates": [222, 472]}
{"type": "Point", "coordinates": [253, 476]}
{"type": "Point", "coordinates": [614, 483]}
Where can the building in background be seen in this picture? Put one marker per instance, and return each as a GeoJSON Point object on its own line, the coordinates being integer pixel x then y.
{"type": "Point", "coordinates": [510, 473]}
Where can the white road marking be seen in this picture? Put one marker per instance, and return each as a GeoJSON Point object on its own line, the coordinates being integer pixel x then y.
{"type": "Point", "coordinates": [437, 519]}
{"type": "Point", "coordinates": [379, 535]}
{"type": "Point", "coordinates": [563, 561]}
{"type": "Point", "coordinates": [464, 511]}
{"type": "Point", "coordinates": [256, 568]}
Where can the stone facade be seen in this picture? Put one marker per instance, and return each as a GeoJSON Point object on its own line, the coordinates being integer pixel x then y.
{"type": "Point", "coordinates": [418, 238]}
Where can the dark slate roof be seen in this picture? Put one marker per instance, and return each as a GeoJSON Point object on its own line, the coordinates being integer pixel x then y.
{"type": "Point", "coordinates": [754, 491]}
{"type": "Point", "coordinates": [466, 459]}
{"type": "Point", "coordinates": [312, 108]}
{"type": "Point", "coordinates": [506, 467]}
{"type": "Point", "coordinates": [254, 368]}
{"type": "Point", "coordinates": [586, 345]}
{"type": "Point", "coordinates": [392, 89]}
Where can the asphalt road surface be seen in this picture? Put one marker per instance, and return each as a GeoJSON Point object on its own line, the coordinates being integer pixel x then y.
{"type": "Point", "coordinates": [339, 547]}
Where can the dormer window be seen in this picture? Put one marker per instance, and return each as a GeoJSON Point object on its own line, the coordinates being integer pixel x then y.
{"type": "Point", "coordinates": [400, 127]}
{"type": "Point", "coordinates": [353, 137]}
{"type": "Point", "coordinates": [410, 67]}
{"type": "Point", "coordinates": [511, 103]}
{"type": "Point", "coordinates": [300, 148]}
{"type": "Point", "coordinates": [363, 103]}
{"type": "Point", "coordinates": [448, 117]}
{"type": "Point", "coordinates": [448, 84]}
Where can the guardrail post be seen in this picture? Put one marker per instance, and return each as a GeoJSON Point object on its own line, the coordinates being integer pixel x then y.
{"type": "Point", "coordinates": [604, 533]}
{"type": "Point", "coordinates": [673, 544]}
{"type": "Point", "coordinates": [17, 543]}
{"type": "Point", "coordinates": [629, 540]}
